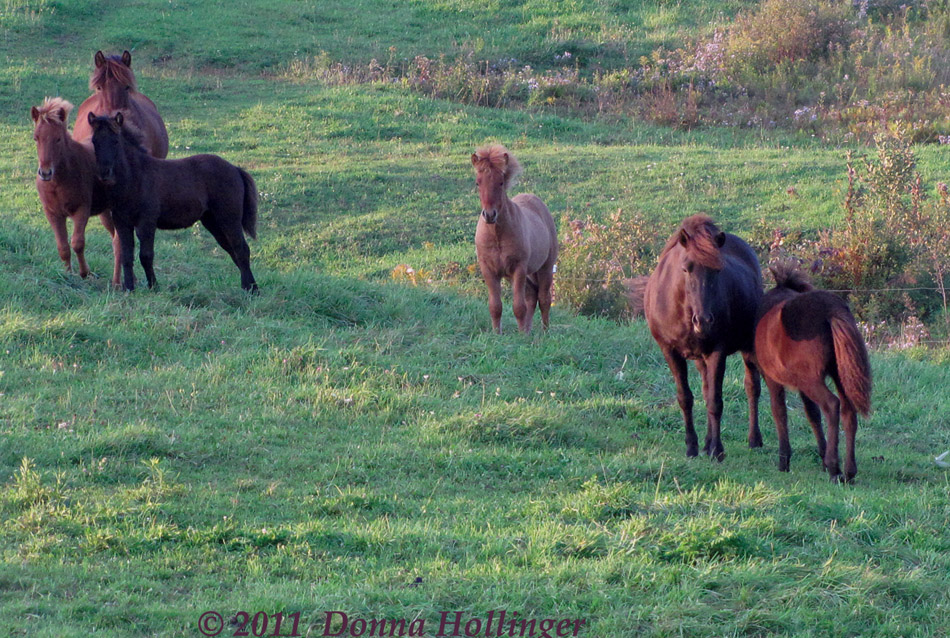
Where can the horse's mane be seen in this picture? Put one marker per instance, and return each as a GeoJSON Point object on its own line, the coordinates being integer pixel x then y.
{"type": "Point", "coordinates": [50, 106]}
{"type": "Point", "coordinates": [496, 157]}
{"type": "Point", "coordinates": [788, 274]}
{"type": "Point", "coordinates": [702, 233]}
{"type": "Point", "coordinates": [113, 69]}
{"type": "Point", "coordinates": [133, 136]}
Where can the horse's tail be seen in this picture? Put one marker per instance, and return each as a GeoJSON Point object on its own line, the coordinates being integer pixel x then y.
{"type": "Point", "coordinates": [249, 217]}
{"type": "Point", "coordinates": [851, 355]}
{"type": "Point", "coordinates": [636, 291]}
{"type": "Point", "coordinates": [788, 274]}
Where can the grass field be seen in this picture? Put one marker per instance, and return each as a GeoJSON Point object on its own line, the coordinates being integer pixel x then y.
{"type": "Point", "coordinates": [346, 442]}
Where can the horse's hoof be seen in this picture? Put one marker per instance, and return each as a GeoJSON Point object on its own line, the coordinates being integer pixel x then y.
{"type": "Point", "coordinates": [755, 442]}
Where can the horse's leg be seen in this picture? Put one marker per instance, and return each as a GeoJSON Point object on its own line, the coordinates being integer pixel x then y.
{"type": "Point", "coordinates": [530, 299]}
{"type": "Point", "coordinates": [849, 419]}
{"type": "Point", "coordinates": [519, 281]}
{"type": "Point", "coordinates": [715, 370]}
{"type": "Point", "coordinates": [493, 281]}
{"type": "Point", "coordinates": [58, 224]}
{"type": "Point", "coordinates": [813, 414]}
{"type": "Point", "coordinates": [106, 218]}
{"type": "Point", "coordinates": [780, 416]}
{"type": "Point", "coordinates": [829, 404]}
{"type": "Point", "coordinates": [684, 396]}
{"type": "Point", "coordinates": [146, 234]}
{"type": "Point", "coordinates": [127, 254]}
{"type": "Point", "coordinates": [545, 279]}
{"type": "Point", "coordinates": [231, 238]}
{"type": "Point", "coordinates": [753, 389]}
{"type": "Point", "coordinates": [78, 241]}
{"type": "Point", "coordinates": [701, 367]}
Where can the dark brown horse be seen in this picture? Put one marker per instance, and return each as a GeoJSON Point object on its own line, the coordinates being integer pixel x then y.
{"type": "Point", "coordinates": [515, 239]}
{"type": "Point", "coordinates": [114, 89]}
{"type": "Point", "coordinates": [146, 193]}
{"type": "Point", "coordinates": [700, 303]}
{"type": "Point", "coordinates": [802, 336]}
{"type": "Point", "coordinates": [67, 185]}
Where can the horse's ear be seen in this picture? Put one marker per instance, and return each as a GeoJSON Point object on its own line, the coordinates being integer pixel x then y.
{"type": "Point", "coordinates": [720, 239]}
{"type": "Point", "coordinates": [119, 119]}
{"type": "Point", "coordinates": [99, 59]}
{"type": "Point", "coordinates": [684, 237]}
{"type": "Point", "coordinates": [35, 113]}
{"type": "Point", "coordinates": [61, 113]}
{"type": "Point", "coordinates": [505, 155]}
{"type": "Point", "coordinates": [127, 59]}
{"type": "Point", "coordinates": [474, 159]}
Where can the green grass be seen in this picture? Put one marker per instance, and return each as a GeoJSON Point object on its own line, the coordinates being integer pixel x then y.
{"type": "Point", "coordinates": [324, 445]}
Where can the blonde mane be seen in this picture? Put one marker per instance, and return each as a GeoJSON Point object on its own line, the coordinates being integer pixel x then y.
{"type": "Point", "coordinates": [497, 158]}
{"type": "Point", "coordinates": [47, 112]}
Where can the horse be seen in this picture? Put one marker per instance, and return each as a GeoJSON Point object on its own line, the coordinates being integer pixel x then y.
{"type": "Point", "coordinates": [115, 89]}
{"type": "Point", "coordinates": [146, 193]}
{"type": "Point", "coordinates": [67, 185]}
{"type": "Point", "coordinates": [802, 336]}
{"type": "Point", "coordinates": [700, 303]}
{"type": "Point", "coordinates": [515, 239]}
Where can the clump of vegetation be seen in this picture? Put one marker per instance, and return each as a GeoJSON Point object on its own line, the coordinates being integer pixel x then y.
{"type": "Point", "coordinates": [893, 250]}
{"type": "Point", "coordinates": [596, 259]}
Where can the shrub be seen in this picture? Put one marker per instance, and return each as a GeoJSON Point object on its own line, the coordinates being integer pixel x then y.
{"type": "Point", "coordinates": [596, 258]}
{"type": "Point", "coordinates": [786, 31]}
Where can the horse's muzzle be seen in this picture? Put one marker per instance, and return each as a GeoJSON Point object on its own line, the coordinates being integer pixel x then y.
{"type": "Point", "coordinates": [107, 178]}
{"type": "Point", "coordinates": [702, 323]}
{"type": "Point", "coordinates": [490, 216]}
{"type": "Point", "coordinates": [45, 175]}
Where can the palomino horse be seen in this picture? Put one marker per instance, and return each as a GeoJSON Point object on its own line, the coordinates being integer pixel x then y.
{"type": "Point", "coordinates": [515, 239]}
{"type": "Point", "coordinates": [146, 193]}
{"type": "Point", "coordinates": [67, 185]}
{"type": "Point", "coordinates": [700, 303]}
{"type": "Point", "coordinates": [114, 89]}
{"type": "Point", "coordinates": [802, 336]}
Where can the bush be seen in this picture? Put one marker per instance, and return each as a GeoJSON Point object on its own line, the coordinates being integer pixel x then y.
{"type": "Point", "coordinates": [893, 251]}
{"type": "Point", "coordinates": [786, 31]}
{"type": "Point", "coordinates": [595, 260]}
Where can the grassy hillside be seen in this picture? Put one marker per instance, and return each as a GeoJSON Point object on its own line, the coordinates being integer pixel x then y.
{"type": "Point", "coordinates": [346, 442]}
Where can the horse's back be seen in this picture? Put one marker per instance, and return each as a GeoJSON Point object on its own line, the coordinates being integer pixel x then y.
{"type": "Point", "coordinates": [540, 230]}
{"type": "Point", "coordinates": [793, 340]}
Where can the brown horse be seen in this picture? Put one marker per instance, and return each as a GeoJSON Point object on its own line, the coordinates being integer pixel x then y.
{"type": "Point", "coordinates": [515, 239]}
{"type": "Point", "coordinates": [700, 303]}
{"type": "Point", "coordinates": [802, 336]}
{"type": "Point", "coordinates": [67, 185]}
{"type": "Point", "coordinates": [146, 193]}
{"type": "Point", "coordinates": [114, 89]}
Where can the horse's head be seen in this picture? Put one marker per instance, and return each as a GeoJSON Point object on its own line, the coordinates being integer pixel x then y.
{"type": "Point", "coordinates": [107, 141]}
{"type": "Point", "coordinates": [495, 170]}
{"type": "Point", "coordinates": [701, 264]}
{"type": "Point", "coordinates": [50, 134]}
{"type": "Point", "coordinates": [113, 80]}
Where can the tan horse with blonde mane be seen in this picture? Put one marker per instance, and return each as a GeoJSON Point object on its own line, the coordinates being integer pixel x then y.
{"type": "Point", "coordinates": [67, 185]}
{"type": "Point", "coordinates": [515, 239]}
{"type": "Point", "coordinates": [115, 89]}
